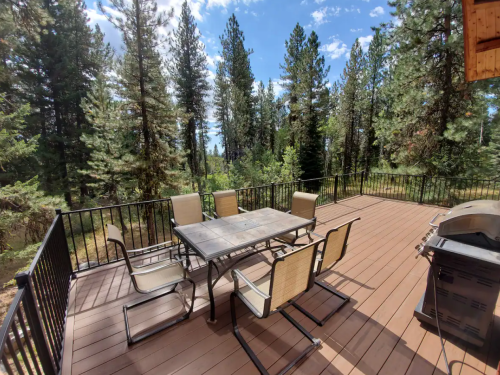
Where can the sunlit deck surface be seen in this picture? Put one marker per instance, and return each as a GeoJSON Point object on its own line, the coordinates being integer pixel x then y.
{"type": "Point", "coordinates": [374, 333]}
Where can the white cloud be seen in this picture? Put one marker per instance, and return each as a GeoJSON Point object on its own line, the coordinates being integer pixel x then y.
{"type": "Point", "coordinates": [378, 11]}
{"type": "Point", "coordinates": [224, 11]}
{"type": "Point", "coordinates": [237, 9]}
{"type": "Point", "coordinates": [356, 30]}
{"type": "Point", "coordinates": [365, 42]}
{"type": "Point", "coordinates": [303, 2]}
{"type": "Point", "coordinates": [319, 1]}
{"type": "Point", "coordinates": [254, 14]}
{"type": "Point", "coordinates": [352, 9]}
{"type": "Point", "coordinates": [225, 3]}
{"type": "Point", "coordinates": [210, 61]}
{"type": "Point", "coordinates": [328, 84]}
{"type": "Point", "coordinates": [320, 15]}
{"type": "Point", "coordinates": [278, 87]}
{"type": "Point", "coordinates": [335, 49]}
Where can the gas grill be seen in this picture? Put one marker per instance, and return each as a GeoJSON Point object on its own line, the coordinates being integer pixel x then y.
{"type": "Point", "coordinates": [466, 262]}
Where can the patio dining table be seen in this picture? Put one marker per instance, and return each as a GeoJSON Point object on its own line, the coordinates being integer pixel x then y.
{"type": "Point", "coordinates": [213, 239]}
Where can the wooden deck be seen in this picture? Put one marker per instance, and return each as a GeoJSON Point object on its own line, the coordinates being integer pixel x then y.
{"type": "Point", "coordinates": [374, 333]}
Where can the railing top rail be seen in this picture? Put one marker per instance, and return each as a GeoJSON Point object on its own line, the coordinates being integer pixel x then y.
{"type": "Point", "coordinates": [42, 246]}
{"type": "Point", "coordinates": [11, 315]}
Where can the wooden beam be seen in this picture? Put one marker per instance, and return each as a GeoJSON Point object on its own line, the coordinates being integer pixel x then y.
{"type": "Point", "coordinates": [488, 45]}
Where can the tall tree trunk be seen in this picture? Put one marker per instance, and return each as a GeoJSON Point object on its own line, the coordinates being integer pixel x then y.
{"type": "Point", "coordinates": [447, 79]}
{"type": "Point", "coordinates": [147, 189]}
{"type": "Point", "coordinates": [370, 136]}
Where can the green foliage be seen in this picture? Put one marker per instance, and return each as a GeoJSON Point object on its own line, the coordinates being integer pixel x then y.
{"type": "Point", "coordinates": [188, 70]}
{"type": "Point", "coordinates": [290, 170]}
{"type": "Point", "coordinates": [24, 206]}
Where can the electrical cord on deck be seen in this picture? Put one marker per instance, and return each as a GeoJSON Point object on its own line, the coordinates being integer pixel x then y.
{"type": "Point", "coordinates": [437, 314]}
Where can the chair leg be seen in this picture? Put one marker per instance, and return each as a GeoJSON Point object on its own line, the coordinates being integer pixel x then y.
{"type": "Point", "coordinates": [320, 322]}
{"type": "Point", "coordinates": [132, 340]}
{"type": "Point", "coordinates": [314, 342]}
{"type": "Point", "coordinates": [241, 340]}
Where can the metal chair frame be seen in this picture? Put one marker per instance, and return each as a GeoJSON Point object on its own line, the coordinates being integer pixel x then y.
{"type": "Point", "coordinates": [345, 299]}
{"type": "Point", "coordinates": [173, 284]}
{"type": "Point", "coordinates": [237, 275]}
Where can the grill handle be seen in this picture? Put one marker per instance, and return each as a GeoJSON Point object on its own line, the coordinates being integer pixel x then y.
{"type": "Point", "coordinates": [431, 223]}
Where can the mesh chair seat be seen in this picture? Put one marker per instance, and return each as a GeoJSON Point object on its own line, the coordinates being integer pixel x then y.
{"type": "Point", "coordinates": [254, 299]}
{"type": "Point", "coordinates": [291, 237]}
{"type": "Point", "coordinates": [226, 203]}
{"type": "Point", "coordinates": [156, 279]}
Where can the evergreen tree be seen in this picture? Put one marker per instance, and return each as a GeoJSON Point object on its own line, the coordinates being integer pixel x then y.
{"type": "Point", "coordinates": [233, 100]}
{"type": "Point", "coordinates": [222, 103]}
{"type": "Point", "coordinates": [147, 106]}
{"type": "Point", "coordinates": [375, 60]}
{"type": "Point", "coordinates": [429, 93]}
{"type": "Point", "coordinates": [188, 67]}
{"type": "Point", "coordinates": [291, 79]}
{"type": "Point", "coordinates": [312, 80]}
{"type": "Point", "coordinates": [216, 151]}
{"type": "Point", "coordinates": [272, 113]}
{"type": "Point", "coordinates": [350, 112]}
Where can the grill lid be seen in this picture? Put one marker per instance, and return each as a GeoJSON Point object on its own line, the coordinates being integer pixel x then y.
{"type": "Point", "coordinates": [476, 218]}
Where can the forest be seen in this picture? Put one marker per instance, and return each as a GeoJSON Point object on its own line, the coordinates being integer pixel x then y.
{"type": "Point", "coordinates": [83, 125]}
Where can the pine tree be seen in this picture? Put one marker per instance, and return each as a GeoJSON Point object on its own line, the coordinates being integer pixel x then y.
{"type": "Point", "coordinates": [147, 106]}
{"type": "Point", "coordinates": [375, 60]}
{"type": "Point", "coordinates": [428, 88]}
{"type": "Point", "coordinates": [350, 105]}
{"type": "Point", "coordinates": [312, 80]}
{"type": "Point", "coordinates": [272, 113]}
{"type": "Point", "coordinates": [188, 68]}
{"type": "Point", "coordinates": [233, 100]}
{"type": "Point", "coordinates": [222, 103]}
{"type": "Point", "coordinates": [291, 79]}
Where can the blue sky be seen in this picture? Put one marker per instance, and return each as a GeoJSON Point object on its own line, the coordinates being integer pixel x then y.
{"type": "Point", "coordinates": [267, 24]}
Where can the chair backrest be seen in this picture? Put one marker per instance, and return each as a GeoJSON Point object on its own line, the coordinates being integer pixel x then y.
{"type": "Point", "coordinates": [292, 274]}
{"type": "Point", "coordinates": [187, 209]}
{"type": "Point", "coordinates": [335, 245]}
{"type": "Point", "coordinates": [304, 206]}
{"type": "Point", "coordinates": [114, 235]}
{"type": "Point", "coordinates": [226, 203]}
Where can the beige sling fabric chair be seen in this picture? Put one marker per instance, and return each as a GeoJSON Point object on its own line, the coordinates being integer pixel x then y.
{"type": "Point", "coordinates": [149, 278]}
{"type": "Point", "coordinates": [304, 206]}
{"type": "Point", "coordinates": [187, 210]}
{"type": "Point", "coordinates": [334, 249]}
{"type": "Point", "coordinates": [291, 276]}
{"type": "Point", "coordinates": [226, 203]}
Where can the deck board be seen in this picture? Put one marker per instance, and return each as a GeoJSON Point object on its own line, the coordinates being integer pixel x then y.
{"type": "Point", "coordinates": [374, 333]}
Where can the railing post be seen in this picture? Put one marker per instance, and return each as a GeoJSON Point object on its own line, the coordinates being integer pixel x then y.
{"type": "Point", "coordinates": [273, 203]}
{"type": "Point", "coordinates": [299, 183]}
{"type": "Point", "coordinates": [422, 188]}
{"type": "Point", "coordinates": [362, 180]}
{"type": "Point", "coordinates": [335, 188]}
{"type": "Point", "coordinates": [34, 322]}
{"type": "Point", "coordinates": [63, 234]}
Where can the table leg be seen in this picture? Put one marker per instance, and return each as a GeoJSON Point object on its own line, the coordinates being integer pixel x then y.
{"type": "Point", "coordinates": [210, 285]}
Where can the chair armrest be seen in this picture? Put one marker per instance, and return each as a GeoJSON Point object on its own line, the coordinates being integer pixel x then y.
{"type": "Point", "coordinates": [317, 235]}
{"type": "Point", "coordinates": [289, 247]}
{"type": "Point", "coordinates": [237, 274]}
{"type": "Point", "coordinates": [149, 247]}
{"type": "Point", "coordinates": [171, 264]}
{"type": "Point", "coordinates": [174, 223]}
{"type": "Point", "coordinates": [288, 212]}
{"type": "Point", "coordinates": [242, 209]}
{"type": "Point", "coordinates": [207, 216]}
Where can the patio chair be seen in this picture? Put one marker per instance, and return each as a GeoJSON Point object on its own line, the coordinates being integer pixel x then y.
{"type": "Point", "coordinates": [226, 203]}
{"type": "Point", "coordinates": [304, 206]}
{"type": "Point", "coordinates": [149, 278]}
{"type": "Point", "coordinates": [291, 275]}
{"type": "Point", "coordinates": [334, 249]}
{"type": "Point", "coordinates": [187, 210]}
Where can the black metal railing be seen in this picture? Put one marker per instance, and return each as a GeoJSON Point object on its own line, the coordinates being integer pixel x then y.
{"type": "Point", "coordinates": [439, 191]}
{"type": "Point", "coordinates": [32, 334]}
{"type": "Point", "coordinates": [146, 223]}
